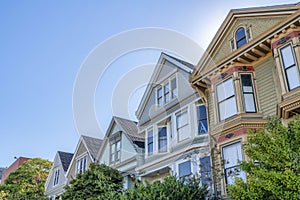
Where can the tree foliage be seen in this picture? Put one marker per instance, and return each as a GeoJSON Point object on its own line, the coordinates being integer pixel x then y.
{"type": "Point", "coordinates": [171, 188]}
{"type": "Point", "coordinates": [99, 182]}
{"type": "Point", "coordinates": [273, 171]}
{"type": "Point", "coordinates": [27, 182]}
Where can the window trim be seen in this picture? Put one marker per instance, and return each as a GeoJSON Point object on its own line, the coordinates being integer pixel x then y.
{"type": "Point", "coordinates": [233, 41]}
{"type": "Point", "coordinates": [253, 92]}
{"type": "Point", "coordinates": [232, 96]}
{"type": "Point", "coordinates": [289, 67]}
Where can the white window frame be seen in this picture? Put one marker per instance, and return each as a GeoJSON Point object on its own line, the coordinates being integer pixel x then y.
{"type": "Point", "coordinates": [285, 69]}
{"type": "Point", "coordinates": [183, 126]}
{"type": "Point", "coordinates": [222, 118]}
{"type": "Point", "coordinates": [166, 96]}
{"type": "Point", "coordinates": [81, 164]}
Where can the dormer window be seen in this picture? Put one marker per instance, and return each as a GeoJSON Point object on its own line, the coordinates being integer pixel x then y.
{"type": "Point", "coordinates": [166, 92]}
{"type": "Point", "coordinates": [115, 149]}
{"type": "Point", "coordinates": [56, 177]}
{"type": "Point", "coordinates": [240, 37]}
{"type": "Point", "coordinates": [81, 165]}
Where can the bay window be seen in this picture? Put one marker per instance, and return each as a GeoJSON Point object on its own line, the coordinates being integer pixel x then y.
{"type": "Point", "coordinates": [290, 67]}
{"type": "Point", "coordinates": [232, 155]}
{"type": "Point", "coordinates": [226, 99]}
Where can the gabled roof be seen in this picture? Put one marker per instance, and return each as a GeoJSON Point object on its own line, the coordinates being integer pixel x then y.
{"type": "Point", "coordinates": [181, 64]}
{"type": "Point", "coordinates": [278, 10]}
{"type": "Point", "coordinates": [129, 128]}
{"type": "Point", "coordinates": [65, 159]}
{"type": "Point", "coordinates": [93, 145]}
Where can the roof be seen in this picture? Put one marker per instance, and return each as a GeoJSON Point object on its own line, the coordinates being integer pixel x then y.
{"type": "Point", "coordinates": [65, 159]}
{"type": "Point", "coordinates": [129, 128]}
{"type": "Point", "coordinates": [93, 145]}
{"type": "Point", "coordinates": [191, 66]}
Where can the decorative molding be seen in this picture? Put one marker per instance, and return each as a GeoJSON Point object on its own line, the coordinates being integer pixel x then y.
{"type": "Point", "coordinates": [285, 39]}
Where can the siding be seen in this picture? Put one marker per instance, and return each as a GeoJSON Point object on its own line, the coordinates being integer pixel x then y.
{"type": "Point", "coordinates": [265, 73]}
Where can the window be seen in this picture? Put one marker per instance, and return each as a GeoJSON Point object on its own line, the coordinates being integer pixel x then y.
{"type": "Point", "coordinates": [184, 169]}
{"type": "Point", "coordinates": [150, 142]}
{"type": "Point", "coordinates": [202, 119]}
{"type": "Point", "coordinates": [226, 99]}
{"type": "Point", "coordinates": [248, 93]}
{"type": "Point", "coordinates": [182, 125]}
{"type": "Point", "coordinates": [162, 139]}
{"type": "Point", "coordinates": [289, 65]}
{"type": "Point", "coordinates": [81, 165]}
{"type": "Point", "coordinates": [240, 37]}
{"type": "Point", "coordinates": [166, 92]}
{"type": "Point", "coordinates": [56, 177]}
{"type": "Point", "coordinates": [232, 154]}
{"type": "Point", "coordinates": [115, 150]}
{"type": "Point", "coordinates": [206, 176]}
{"type": "Point", "coordinates": [174, 88]}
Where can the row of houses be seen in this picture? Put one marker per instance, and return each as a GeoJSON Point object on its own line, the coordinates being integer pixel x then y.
{"type": "Point", "coordinates": [192, 118]}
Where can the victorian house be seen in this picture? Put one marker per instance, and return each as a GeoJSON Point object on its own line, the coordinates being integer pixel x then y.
{"type": "Point", "coordinates": [172, 116]}
{"type": "Point", "coordinates": [250, 71]}
{"type": "Point", "coordinates": [57, 180]}
{"type": "Point", "coordinates": [123, 149]}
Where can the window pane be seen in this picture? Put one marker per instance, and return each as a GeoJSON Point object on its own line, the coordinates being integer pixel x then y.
{"type": "Point", "coordinates": [206, 177]}
{"type": "Point", "coordinates": [181, 119]}
{"type": "Point", "coordinates": [232, 154]}
{"type": "Point", "coordinates": [225, 90]}
{"type": "Point", "coordinates": [202, 126]}
{"type": "Point", "coordinates": [227, 108]}
{"type": "Point", "coordinates": [240, 37]}
{"type": "Point", "coordinates": [287, 56]}
{"type": "Point", "coordinates": [183, 133]}
{"type": "Point", "coordinates": [150, 142]}
{"type": "Point", "coordinates": [173, 88]}
{"type": "Point", "coordinates": [234, 172]}
{"type": "Point", "coordinates": [201, 112]}
{"type": "Point", "coordinates": [247, 83]}
{"type": "Point", "coordinates": [159, 97]}
{"type": "Point", "coordinates": [184, 169]}
{"type": "Point", "coordinates": [119, 145]}
{"type": "Point", "coordinates": [293, 77]}
{"type": "Point", "coordinates": [249, 103]}
{"type": "Point", "coordinates": [162, 139]}
{"type": "Point", "coordinates": [167, 92]}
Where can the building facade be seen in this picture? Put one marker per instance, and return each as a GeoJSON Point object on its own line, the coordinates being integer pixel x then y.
{"type": "Point", "coordinates": [13, 167]}
{"type": "Point", "coordinates": [173, 119]}
{"type": "Point", "coordinates": [250, 71]}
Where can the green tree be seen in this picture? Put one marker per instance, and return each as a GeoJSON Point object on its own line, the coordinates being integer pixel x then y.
{"type": "Point", "coordinates": [28, 181]}
{"type": "Point", "coordinates": [171, 188]}
{"type": "Point", "coordinates": [273, 170]}
{"type": "Point", "coordinates": [99, 182]}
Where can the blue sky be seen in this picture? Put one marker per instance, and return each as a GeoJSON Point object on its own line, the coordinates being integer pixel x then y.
{"type": "Point", "coordinates": [44, 43]}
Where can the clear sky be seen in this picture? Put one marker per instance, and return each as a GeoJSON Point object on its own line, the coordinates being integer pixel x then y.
{"type": "Point", "coordinates": [44, 43]}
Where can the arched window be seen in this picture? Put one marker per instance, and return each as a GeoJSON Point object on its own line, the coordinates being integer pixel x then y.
{"type": "Point", "coordinates": [240, 37]}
